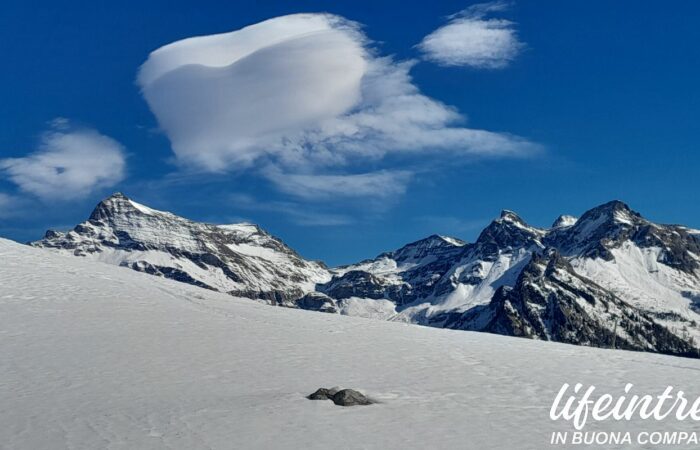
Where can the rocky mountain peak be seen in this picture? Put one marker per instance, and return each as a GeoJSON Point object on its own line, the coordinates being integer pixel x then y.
{"type": "Point", "coordinates": [564, 220]}
{"type": "Point", "coordinates": [432, 245]}
{"type": "Point", "coordinates": [508, 231]}
{"type": "Point", "coordinates": [597, 231]}
{"type": "Point", "coordinates": [614, 211]}
{"type": "Point", "coordinates": [510, 216]}
{"type": "Point", "coordinates": [119, 204]}
{"type": "Point", "coordinates": [435, 240]}
{"type": "Point", "coordinates": [614, 205]}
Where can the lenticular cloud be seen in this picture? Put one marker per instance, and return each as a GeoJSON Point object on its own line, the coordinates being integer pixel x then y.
{"type": "Point", "coordinates": [300, 94]}
{"type": "Point", "coordinates": [228, 98]}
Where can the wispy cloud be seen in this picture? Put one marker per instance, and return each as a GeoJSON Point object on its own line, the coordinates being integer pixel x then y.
{"type": "Point", "coordinates": [8, 204]}
{"type": "Point", "coordinates": [5, 200]}
{"type": "Point", "coordinates": [379, 185]}
{"type": "Point", "coordinates": [68, 163]}
{"type": "Point", "coordinates": [470, 38]}
{"type": "Point", "coordinates": [299, 214]}
{"type": "Point", "coordinates": [307, 95]}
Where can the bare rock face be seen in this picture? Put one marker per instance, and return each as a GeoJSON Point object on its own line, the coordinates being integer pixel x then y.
{"type": "Point", "coordinates": [316, 301]}
{"type": "Point", "coordinates": [551, 302]}
{"type": "Point", "coordinates": [344, 397]}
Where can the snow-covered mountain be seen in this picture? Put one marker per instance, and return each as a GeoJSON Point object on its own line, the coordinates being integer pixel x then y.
{"type": "Point", "coordinates": [240, 259]}
{"type": "Point", "coordinates": [551, 301]}
{"type": "Point", "coordinates": [608, 278]}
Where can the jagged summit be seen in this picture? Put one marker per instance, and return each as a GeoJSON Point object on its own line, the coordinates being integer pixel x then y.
{"type": "Point", "coordinates": [112, 201]}
{"type": "Point", "coordinates": [116, 198]}
{"type": "Point", "coordinates": [117, 195]}
{"type": "Point", "coordinates": [564, 220]}
{"type": "Point", "coordinates": [606, 229]}
{"type": "Point", "coordinates": [412, 253]}
{"type": "Point", "coordinates": [420, 247]}
{"type": "Point", "coordinates": [508, 231]}
{"type": "Point", "coordinates": [119, 204]}
{"type": "Point", "coordinates": [613, 205]}
{"type": "Point", "coordinates": [615, 210]}
{"type": "Point", "coordinates": [510, 216]}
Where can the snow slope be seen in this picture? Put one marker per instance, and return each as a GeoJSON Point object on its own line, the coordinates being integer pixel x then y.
{"type": "Point", "coordinates": [98, 356]}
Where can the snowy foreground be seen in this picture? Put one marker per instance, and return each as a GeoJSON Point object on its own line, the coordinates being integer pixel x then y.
{"type": "Point", "coordinates": [96, 356]}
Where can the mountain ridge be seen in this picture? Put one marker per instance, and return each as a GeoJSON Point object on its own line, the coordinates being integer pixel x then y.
{"type": "Point", "coordinates": [647, 272]}
{"type": "Point", "coordinates": [240, 259]}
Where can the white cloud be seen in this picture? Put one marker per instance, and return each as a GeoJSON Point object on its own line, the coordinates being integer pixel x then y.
{"type": "Point", "coordinates": [302, 96]}
{"type": "Point", "coordinates": [472, 39]}
{"type": "Point", "coordinates": [69, 163]}
{"type": "Point", "coordinates": [228, 99]}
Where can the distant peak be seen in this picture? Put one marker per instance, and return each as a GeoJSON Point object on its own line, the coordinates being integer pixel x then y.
{"type": "Point", "coordinates": [117, 196]}
{"type": "Point", "coordinates": [564, 221]}
{"type": "Point", "coordinates": [119, 204]}
{"type": "Point", "coordinates": [508, 231]}
{"type": "Point", "coordinates": [614, 210]}
{"type": "Point", "coordinates": [436, 239]}
{"type": "Point", "coordinates": [511, 217]}
{"type": "Point", "coordinates": [509, 220]}
{"type": "Point", "coordinates": [614, 205]}
{"type": "Point", "coordinates": [424, 247]}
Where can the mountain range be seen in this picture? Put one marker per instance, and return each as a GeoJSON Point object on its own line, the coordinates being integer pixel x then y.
{"type": "Point", "coordinates": [610, 278]}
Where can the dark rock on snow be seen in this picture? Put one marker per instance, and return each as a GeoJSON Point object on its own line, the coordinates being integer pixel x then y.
{"type": "Point", "coordinates": [344, 397]}
{"type": "Point", "coordinates": [350, 397]}
{"type": "Point", "coordinates": [323, 394]}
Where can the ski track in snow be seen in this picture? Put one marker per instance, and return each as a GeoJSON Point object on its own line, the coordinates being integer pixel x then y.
{"type": "Point", "coordinates": [97, 356]}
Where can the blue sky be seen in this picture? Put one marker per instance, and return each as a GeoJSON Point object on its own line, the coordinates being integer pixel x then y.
{"type": "Point", "coordinates": [604, 94]}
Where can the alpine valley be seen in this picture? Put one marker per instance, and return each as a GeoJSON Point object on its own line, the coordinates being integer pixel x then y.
{"type": "Point", "coordinates": [610, 278]}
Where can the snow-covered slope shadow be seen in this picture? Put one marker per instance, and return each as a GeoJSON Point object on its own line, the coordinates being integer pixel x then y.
{"type": "Point", "coordinates": [98, 356]}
